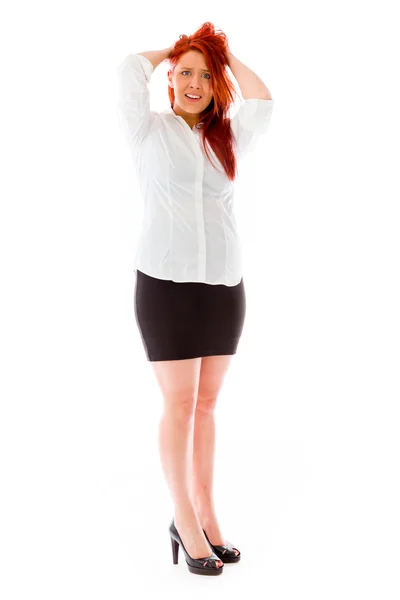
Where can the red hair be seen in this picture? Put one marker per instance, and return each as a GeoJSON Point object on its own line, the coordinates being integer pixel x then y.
{"type": "Point", "coordinates": [216, 128]}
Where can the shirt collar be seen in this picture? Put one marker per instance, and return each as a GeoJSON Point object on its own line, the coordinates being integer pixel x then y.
{"type": "Point", "coordinates": [169, 110]}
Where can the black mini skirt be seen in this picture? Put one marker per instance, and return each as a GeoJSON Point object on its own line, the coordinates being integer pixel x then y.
{"type": "Point", "coordinates": [188, 320]}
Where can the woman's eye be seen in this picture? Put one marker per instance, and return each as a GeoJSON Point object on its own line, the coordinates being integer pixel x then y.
{"type": "Point", "coordinates": [209, 76]}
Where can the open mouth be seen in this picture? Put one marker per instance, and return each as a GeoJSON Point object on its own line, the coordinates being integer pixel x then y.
{"type": "Point", "coordinates": [192, 99]}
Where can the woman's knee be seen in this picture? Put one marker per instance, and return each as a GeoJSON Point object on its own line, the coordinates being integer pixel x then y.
{"type": "Point", "coordinates": [178, 381]}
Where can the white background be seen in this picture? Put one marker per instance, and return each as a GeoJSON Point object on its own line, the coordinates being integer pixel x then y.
{"type": "Point", "coordinates": [307, 457]}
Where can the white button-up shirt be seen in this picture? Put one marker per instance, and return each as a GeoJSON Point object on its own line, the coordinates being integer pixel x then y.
{"type": "Point", "coordinates": [189, 231]}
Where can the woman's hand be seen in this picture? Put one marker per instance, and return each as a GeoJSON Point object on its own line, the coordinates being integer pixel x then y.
{"type": "Point", "coordinates": [228, 54]}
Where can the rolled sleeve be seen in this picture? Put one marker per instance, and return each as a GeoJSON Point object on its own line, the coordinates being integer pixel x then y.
{"type": "Point", "coordinates": [251, 120]}
{"type": "Point", "coordinates": [134, 74]}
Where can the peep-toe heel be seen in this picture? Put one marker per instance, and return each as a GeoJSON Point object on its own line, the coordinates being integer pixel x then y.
{"type": "Point", "coordinates": [225, 553]}
{"type": "Point", "coordinates": [199, 566]}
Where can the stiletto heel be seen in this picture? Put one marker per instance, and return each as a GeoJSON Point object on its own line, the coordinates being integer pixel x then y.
{"type": "Point", "coordinates": [175, 551]}
{"type": "Point", "coordinates": [200, 566]}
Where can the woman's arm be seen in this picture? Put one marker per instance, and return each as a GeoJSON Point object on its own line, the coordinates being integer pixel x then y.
{"type": "Point", "coordinates": [157, 56]}
{"type": "Point", "coordinates": [134, 74]}
{"type": "Point", "coordinates": [251, 86]}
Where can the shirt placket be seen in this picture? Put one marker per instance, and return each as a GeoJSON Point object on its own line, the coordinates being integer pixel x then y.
{"type": "Point", "coordinates": [198, 203]}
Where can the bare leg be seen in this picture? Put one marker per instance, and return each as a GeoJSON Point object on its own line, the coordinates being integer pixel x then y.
{"type": "Point", "coordinates": [213, 371]}
{"type": "Point", "coordinates": [178, 382]}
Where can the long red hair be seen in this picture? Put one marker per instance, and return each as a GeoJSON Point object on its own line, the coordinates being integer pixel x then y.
{"type": "Point", "coordinates": [216, 129]}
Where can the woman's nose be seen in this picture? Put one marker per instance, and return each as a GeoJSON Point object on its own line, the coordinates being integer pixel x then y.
{"type": "Point", "coordinates": [196, 81]}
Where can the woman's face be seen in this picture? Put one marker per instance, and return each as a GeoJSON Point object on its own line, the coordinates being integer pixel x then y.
{"type": "Point", "coordinates": [191, 76]}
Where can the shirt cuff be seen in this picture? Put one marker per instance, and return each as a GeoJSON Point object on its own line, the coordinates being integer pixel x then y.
{"type": "Point", "coordinates": [147, 66]}
{"type": "Point", "coordinates": [255, 113]}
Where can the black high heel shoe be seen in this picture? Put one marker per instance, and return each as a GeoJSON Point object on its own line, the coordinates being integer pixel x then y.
{"type": "Point", "coordinates": [200, 566]}
{"type": "Point", "coordinates": [225, 553]}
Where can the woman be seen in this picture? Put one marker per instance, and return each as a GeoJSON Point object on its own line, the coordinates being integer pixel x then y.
{"type": "Point", "coordinates": [190, 300]}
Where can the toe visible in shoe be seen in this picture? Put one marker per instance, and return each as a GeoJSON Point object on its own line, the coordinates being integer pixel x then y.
{"type": "Point", "coordinates": [214, 562]}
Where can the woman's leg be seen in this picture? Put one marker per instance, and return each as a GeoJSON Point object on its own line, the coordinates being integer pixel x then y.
{"type": "Point", "coordinates": [212, 375]}
{"type": "Point", "coordinates": [178, 381]}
